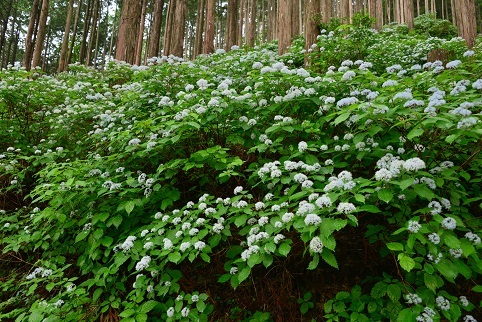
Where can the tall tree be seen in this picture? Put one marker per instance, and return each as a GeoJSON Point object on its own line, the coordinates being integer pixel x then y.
{"type": "Point", "coordinates": [128, 29]}
{"type": "Point", "coordinates": [93, 32]}
{"type": "Point", "coordinates": [231, 37]}
{"type": "Point", "coordinates": [285, 28]}
{"type": "Point", "coordinates": [29, 42]}
{"type": "Point", "coordinates": [74, 32]}
{"type": "Point", "coordinates": [156, 29]}
{"type": "Point", "coordinates": [37, 53]}
{"type": "Point", "coordinates": [251, 23]}
{"type": "Point", "coordinates": [326, 10]}
{"type": "Point", "coordinates": [466, 21]}
{"type": "Point", "coordinates": [65, 41]}
{"type": "Point", "coordinates": [176, 42]}
{"type": "Point", "coordinates": [208, 46]}
{"type": "Point", "coordinates": [345, 10]}
{"type": "Point", "coordinates": [200, 17]}
{"type": "Point", "coordinates": [171, 7]}
{"type": "Point", "coordinates": [408, 13]}
{"type": "Point", "coordinates": [140, 33]}
{"type": "Point", "coordinates": [311, 27]}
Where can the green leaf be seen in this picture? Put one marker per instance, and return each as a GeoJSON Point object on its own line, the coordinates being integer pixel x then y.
{"type": "Point", "coordinates": [224, 278]}
{"type": "Point", "coordinates": [446, 268]}
{"type": "Point", "coordinates": [201, 306]}
{"type": "Point", "coordinates": [451, 241]}
{"type": "Point", "coordinates": [430, 282]}
{"type": "Point", "coordinates": [97, 293]}
{"type": "Point", "coordinates": [395, 246]}
{"type": "Point", "coordinates": [341, 118]}
{"type": "Point", "coordinates": [406, 262]}
{"type": "Point", "coordinates": [360, 198]}
{"type": "Point", "coordinates": [243, 274]}
{"type": "Point", "coordinates": [329, 257]}
{"type": "Point", "coordinates": [141, 317]}
{"type": "Point", "coordinates": [424, 192]}
{"type": "Point", "coordinates": [116, 221]}
{"type": "Point", "coordinates": [385, 195]}
{"type": "Point", "coordinates": [129, 206]}
{"type": "Point", "coordinates": [369, 208]}
{"type": "Point", "coordinates": [379, 290]}
{"type": "Point", "coordinates": [82, 235]}
{"type": "Point", "coordinates": [477, 288]}
{"type": "Point", "coordinates": [241, 220]}
{"type": "Point", "coordinates": [405, 315]}
{"type": "Point", "coordinates": [404, 184]}
{"type": "Point", "coordinates": [284, 249]}
{"type": "Point", "coordinates": [148, 306]}
{"type": "Point", "coordinates": [50, 286]}
{"type": "Point", "coordinates": [314, 263]}
{"type": "Point", "coordinates": [127, 313]}
{"type": "Point", "coordinates": [394, 292]}
{"type": "Point", "coordinates": [174, 257]}
{"type": "Point", "coordinates": [414, 133]}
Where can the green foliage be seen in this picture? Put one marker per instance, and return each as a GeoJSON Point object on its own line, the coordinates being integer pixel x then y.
{"type": "Point", "coordinates": [429, 24]}
{"type": "Point", "coordinates": [144, 192]}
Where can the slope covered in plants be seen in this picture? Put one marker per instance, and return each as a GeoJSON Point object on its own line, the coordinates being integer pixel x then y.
{"type": "Point", "coordinates": [241, 186]}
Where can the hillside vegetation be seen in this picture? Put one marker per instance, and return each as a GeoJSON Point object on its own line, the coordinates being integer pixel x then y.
{"type": "Point", "coordinates": [243, 186]}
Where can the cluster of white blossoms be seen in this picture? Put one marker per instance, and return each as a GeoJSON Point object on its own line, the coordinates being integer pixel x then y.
{"type": "Point", "coordinates": [474, 238]}
{"type": "Point", "coordinates": [427, 315]}
{"type": "Point", "coordinates": [344, 181]}
{"type": "Point", "coordinates": [143, 264]}
{"type": "Point", "coordinates": [414, 226]}
{"type": "Point", "coordinates": [127, 244]}
{"type": "Point", "coordinates": [39, 271]}
{"type": "Point", "coordinates": [442, 303]}
{"type": "Point", "coordinates": [449, 223]}
{"type": "Point", "coordinates": [316, 246]}
{"type": "Point", "coordinates": [413, 298]}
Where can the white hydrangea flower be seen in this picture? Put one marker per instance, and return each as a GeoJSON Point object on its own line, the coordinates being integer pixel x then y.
{"type": "Point", "coordinates": [434, 238]}
{"type": "Point", "coordinates": [312, 219]}
{"type": "Point", "coordinates": [449, 223]}
{"type": "Point", "coordinates": [346, 207]}
{"type": "Point", "coordinates": [414, 226]}
{"type": "Point", "coordinates": [316, 246]}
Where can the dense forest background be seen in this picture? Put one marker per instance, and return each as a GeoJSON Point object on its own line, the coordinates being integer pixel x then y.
{"type": "Point", "coordinates": [51, 34]}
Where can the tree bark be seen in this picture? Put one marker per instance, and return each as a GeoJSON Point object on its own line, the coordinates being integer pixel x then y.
{"type": "Point", "coordinates": [295, 17]}
{"type": "Point", "coordinates": [285, 30]}
{"type": "Point", "coordinates": [232, 24]}
{"type": "Point", "coordinates": [200, 17]}
{"type": "Point", "coordinates": [92, 33]}
{"type": "Point", "coordinates": [140, 34]}
{"type": "Point", "coordinates": [85, 33]}
{"type": "Point", "coordinates": [208, 46]}
{"type": "Point", "coordinates": [74, 32]}
{"type": "Point", "coordinates": [29, 44]}
{"type": "Point", "coordinates": [128, 29]}
{"type": "Point", "coordinates": [251, 23]}
{"type": "Point", "coordinates": [326, 10]}
{"type": "Point", "coordinates": [4, 28]}
{"type": "Point", "coordinates": [65, 41]}
{"type": "Point", "coordinates": [466, 21]}
{"type": "Point", "coordinates": [156, 29]}
{"type": "Point", "coordinates": [311, 27]}
{"type": "Point", "coordinates": [409, 13]}
{"type": "Point", "coordinates": [178, 29]}
{"type": "Point", "coordinates": [37, 53]}
{"type": "Point", "coordinates": [454, 12]}
{"type": "Point", "coordinates": [168, 28]}
{"type": "Point", "coordinates": [345, 11]}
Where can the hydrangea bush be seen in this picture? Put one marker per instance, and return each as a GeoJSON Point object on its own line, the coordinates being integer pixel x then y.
{"type": "Point", "coordinates": [138, 192]}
